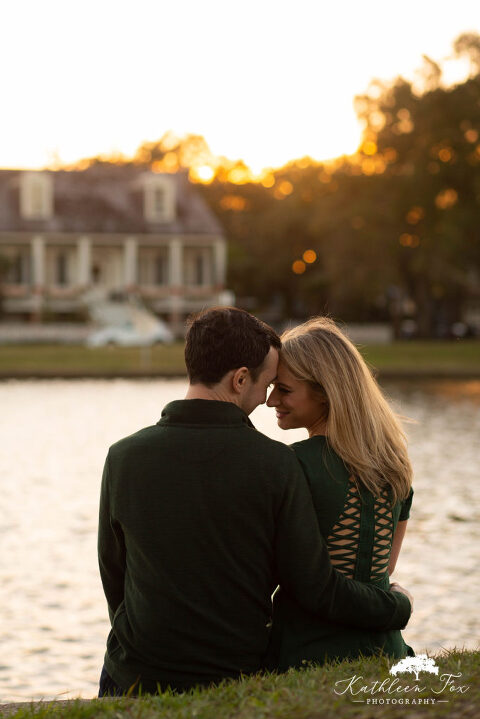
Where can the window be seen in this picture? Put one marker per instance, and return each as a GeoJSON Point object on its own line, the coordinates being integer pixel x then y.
{"type": "Point", "coordinates": [18, 269]}
{"type": "Point", "coordinates": [61, 269]}
{"type": "Point", "coordinates": [198, 266]}
{"type": "Point", "coordinates": [161, 270]}
{"type": "Point", "coordinates": [36, 195]}
{"type": "Point", "coordinates": [159, 198]}
{"type": "Point", "coordinates": [153, 266]}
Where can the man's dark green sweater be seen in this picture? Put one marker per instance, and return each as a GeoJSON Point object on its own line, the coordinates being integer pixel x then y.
{"type": "Point", "coordinates": [201, 517]}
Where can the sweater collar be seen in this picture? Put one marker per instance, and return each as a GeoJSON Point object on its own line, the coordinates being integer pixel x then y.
{"type": "Point", "coordinates": [203, 412]}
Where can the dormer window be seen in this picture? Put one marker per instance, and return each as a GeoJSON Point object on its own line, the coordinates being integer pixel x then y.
{"type": "Point", "coordinates": [159, 198]}
{"type": "Point", "coordinates": [36, 196]}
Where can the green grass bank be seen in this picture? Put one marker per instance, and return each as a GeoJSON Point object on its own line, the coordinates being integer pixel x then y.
{"type": "Point", "coordinates": [346, 689]}
{"type": "Point", "coordinates": [399, 359]}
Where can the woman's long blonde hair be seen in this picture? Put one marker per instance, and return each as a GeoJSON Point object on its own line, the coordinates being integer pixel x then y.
{"type": "Point", "coordinates": [360, 425]}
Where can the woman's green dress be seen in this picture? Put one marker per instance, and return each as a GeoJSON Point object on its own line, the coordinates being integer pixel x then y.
{"type": "Point", "coordinates": [358, 529]}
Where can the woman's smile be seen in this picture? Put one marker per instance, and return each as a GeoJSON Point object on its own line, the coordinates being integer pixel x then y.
{"type": "Point", "coordinates": [295, 403]}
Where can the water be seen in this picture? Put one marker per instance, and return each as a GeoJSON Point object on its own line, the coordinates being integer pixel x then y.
{"type": "Point", "coordinates": [55, 435]}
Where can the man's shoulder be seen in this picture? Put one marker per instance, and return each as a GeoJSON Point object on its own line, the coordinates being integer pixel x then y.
{"type": "Point", "coordinates": [249, 442]}
{"type": "Point", "coordinates": [143, 436]}
{"type": "Point", "coordinates": [269, 449]}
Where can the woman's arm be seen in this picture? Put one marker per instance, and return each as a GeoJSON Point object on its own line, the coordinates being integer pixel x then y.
{"type": "Point", "coordinates": [397, 544]}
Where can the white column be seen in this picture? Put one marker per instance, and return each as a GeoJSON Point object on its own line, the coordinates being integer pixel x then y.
{"type": "Point", "coordinates": [84, 253]}
{"type": "Point", "coordinates": [130, 261]}
{"type": "Point", "coordinates": [38, 261]}
{"type": "Point", "coordinates": [175, 281]}
{"type": "Point", "coordinates": [220, 262]}
{"type": "Point", "coordinates": [175, 273]}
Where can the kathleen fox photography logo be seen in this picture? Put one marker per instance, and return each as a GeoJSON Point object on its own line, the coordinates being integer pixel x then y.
{"type": "Point", "coordinates": [394, 690]}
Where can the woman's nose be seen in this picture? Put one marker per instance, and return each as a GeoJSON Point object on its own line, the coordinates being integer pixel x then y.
{"type": "Point", "coordinates": [272, 400]}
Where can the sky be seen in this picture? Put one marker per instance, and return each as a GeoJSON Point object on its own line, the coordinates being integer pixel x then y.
{"type": "Point", "coordinates": [264, 81]}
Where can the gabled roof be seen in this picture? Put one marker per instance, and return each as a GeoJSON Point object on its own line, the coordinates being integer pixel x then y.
{"type": "Point", "coordinates": [105, 198]}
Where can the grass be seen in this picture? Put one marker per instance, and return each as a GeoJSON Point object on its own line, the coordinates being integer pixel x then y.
{"type": "Point", "coordinates": [457, 358]}
{"type": "Point", "coordinates": [78, 360]}
{"type": "Point", "coordinates": [307, 694]}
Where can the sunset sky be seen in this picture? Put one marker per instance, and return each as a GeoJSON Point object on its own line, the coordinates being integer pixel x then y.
{"type": "Point", "coordinates": [265, 81]}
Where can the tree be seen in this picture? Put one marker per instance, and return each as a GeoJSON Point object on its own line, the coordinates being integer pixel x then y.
{"type": "Point", "coordinates": [429, 144]}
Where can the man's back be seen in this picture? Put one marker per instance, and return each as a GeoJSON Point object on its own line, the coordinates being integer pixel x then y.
{"type": "Point", "coordinates": [187, 538]}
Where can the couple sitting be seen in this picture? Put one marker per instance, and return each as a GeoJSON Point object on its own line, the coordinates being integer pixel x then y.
{"type": "Point", "coordinates": [202, 517]}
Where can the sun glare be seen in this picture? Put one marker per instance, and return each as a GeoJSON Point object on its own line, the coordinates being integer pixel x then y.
{"type": "Point", "coordinates": [204, 174]}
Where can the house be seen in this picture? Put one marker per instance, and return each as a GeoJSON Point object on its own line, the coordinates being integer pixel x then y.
{"type": "Point", "coordinates": [116, 231]}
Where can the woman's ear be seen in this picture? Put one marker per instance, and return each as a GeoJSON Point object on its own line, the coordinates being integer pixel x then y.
{"type": "Point", "coordinates": [239, 379]}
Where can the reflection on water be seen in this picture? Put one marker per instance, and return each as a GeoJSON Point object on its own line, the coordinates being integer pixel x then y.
{"type": "Point", "coordinates": [55, 435]}
{"type": "Point", "coordinates": [452, 390]}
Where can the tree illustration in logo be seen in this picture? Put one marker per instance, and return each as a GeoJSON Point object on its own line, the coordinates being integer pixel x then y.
{"type": "Point", "coordinates": [415, 665]}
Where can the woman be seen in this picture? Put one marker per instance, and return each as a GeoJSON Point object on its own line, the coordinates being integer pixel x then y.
{"type": "Point", "coordinates": [356, 463]}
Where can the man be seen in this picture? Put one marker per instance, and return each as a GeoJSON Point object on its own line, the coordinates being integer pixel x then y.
{"type": "Point", "coordinates": [201, 517]}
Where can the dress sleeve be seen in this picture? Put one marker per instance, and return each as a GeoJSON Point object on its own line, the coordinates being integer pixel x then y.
{"type": "Point", "coordinates": [406, 505]}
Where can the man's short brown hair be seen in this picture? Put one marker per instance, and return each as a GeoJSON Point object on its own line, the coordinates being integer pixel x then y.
{"type": "Point", "coordinates": [226, 338]}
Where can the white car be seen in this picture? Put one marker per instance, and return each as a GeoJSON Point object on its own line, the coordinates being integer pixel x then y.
{"type": "Point", "coordinates": [127, 335]}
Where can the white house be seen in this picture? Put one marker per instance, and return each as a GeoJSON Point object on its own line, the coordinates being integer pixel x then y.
{"type": "Point", "coordinates": [117, 229]}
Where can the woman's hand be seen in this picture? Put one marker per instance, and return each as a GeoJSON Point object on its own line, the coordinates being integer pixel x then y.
{"type": "Point", "coordinates": [394, 587]}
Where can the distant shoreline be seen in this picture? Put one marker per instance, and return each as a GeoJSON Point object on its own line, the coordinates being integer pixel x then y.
{"type": "Point", "coordinates": [385, 374]}
{"type": "Point", "coordinates": [397, 361]}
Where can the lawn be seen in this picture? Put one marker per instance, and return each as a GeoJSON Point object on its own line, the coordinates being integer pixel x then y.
{"type": "Point", "coordinates": [415, 357]}
{"type": "Point", "coordinates": [362, 688]}
{"type": "Point", "coordinates": [78, 360]}
{"type": "Point", "coordinates": [457, 358]}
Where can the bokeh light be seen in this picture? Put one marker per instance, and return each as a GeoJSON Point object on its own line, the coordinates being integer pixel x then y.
{"type": "Point", "coordinates": [369, 147]}
{"type": "Point", "coordinates": [414, 215]}
{"type": "Point", "coordinates": [309, 256]}
{"type": "Point", "coordinates": [408, 240]}
{"type": "Point", "coordinates": [446, 199]}
{"type": "Point", "coordinates": [299, 267]}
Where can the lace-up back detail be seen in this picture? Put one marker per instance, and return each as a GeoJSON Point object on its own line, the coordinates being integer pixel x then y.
{"type": "Point", "coordinates": [383, 536]}
{"type": "Point", "coordinates": [343, 540]}
{"type": "Point", "coordinates": [360, 541]}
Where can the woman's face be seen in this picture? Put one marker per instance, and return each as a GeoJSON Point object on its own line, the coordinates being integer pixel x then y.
{"type": "Point", "coordinates": [296, 403]}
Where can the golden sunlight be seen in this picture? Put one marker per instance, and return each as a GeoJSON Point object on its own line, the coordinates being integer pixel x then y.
{"type": "Point", "coordinates": [233, 202]}
{"type": "Point", "coordinates": [369, 147]}
{"type": "Point", "coordinates": [239, 175]}
{"type": "Point", "coordinates": [285, 188]}
{"type": "Point", "coordinates": [268, 180]}
{"type": "Point", "coordinates": [368, 167]}
{"type": "Point", "coordinates": [202, 173]}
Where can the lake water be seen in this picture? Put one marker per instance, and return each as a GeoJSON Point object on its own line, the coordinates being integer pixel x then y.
{"type": "Point", "coordinates": [55, 435]}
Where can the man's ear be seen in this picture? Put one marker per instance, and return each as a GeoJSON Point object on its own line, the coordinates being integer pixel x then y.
{"type": "Point", "coordinates": [239, 379]}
